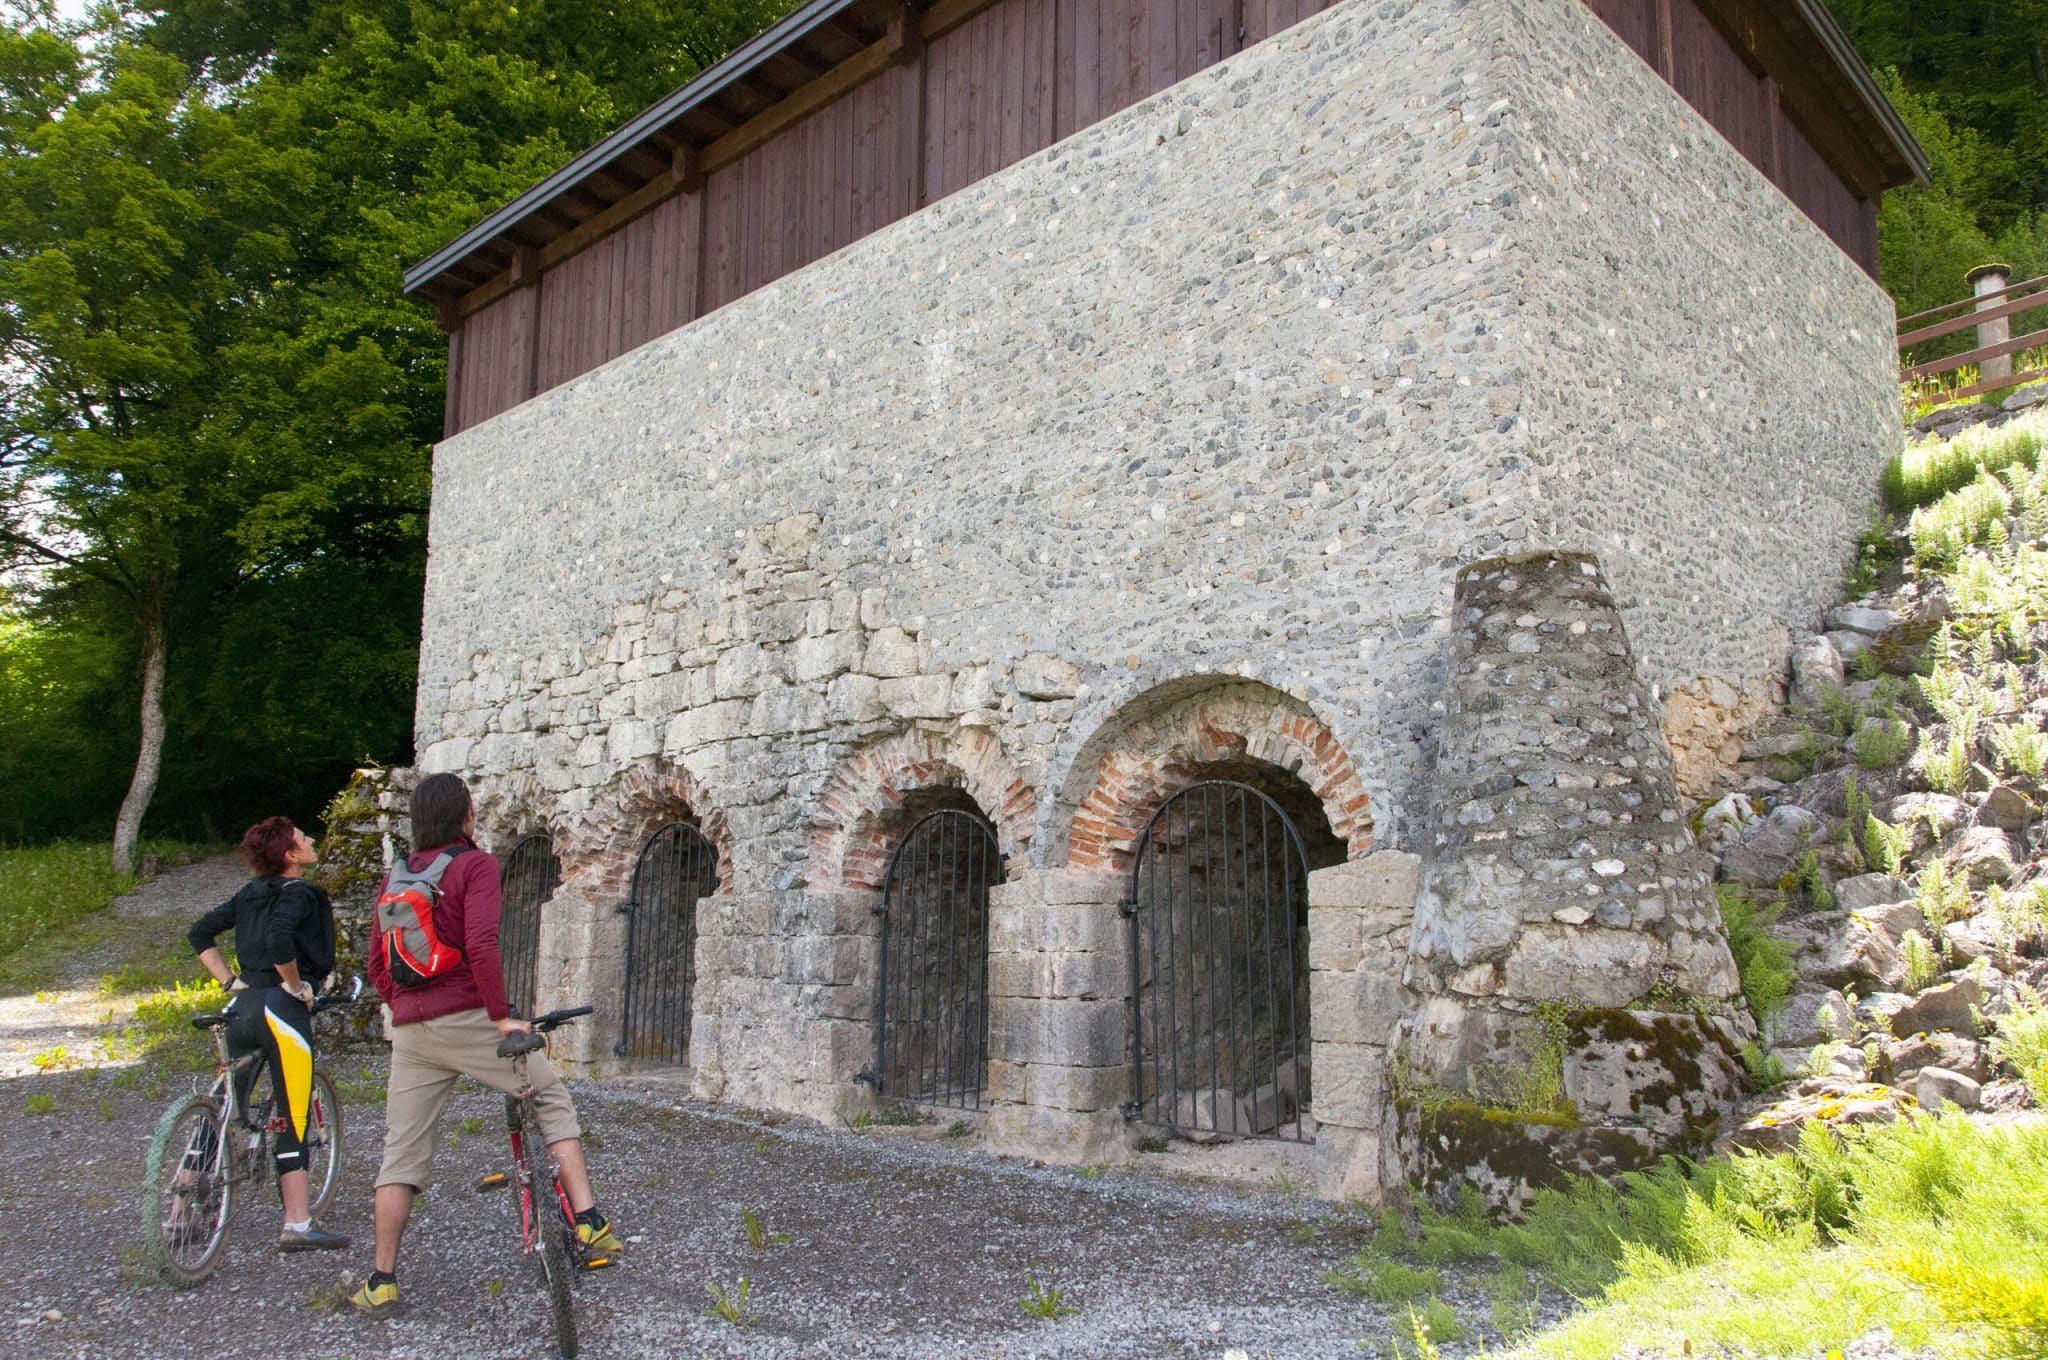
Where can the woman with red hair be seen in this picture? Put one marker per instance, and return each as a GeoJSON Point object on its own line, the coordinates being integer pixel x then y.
{"type": "Point", "coordinates": [284, 942]}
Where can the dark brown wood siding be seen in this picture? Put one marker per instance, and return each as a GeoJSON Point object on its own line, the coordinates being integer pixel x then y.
{"type": "Point", "coordinates": [1008, 80]}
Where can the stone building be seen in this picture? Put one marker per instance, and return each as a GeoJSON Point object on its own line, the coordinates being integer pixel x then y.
{"type": "Point", "coordinates": [1158, 567]}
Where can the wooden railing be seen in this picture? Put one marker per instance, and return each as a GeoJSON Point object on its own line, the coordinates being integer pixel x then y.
{"type": "Point", "coordinates": [1990, 311]}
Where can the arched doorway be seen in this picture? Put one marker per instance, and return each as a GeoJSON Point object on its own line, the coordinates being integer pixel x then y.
{"type": "Point", "coordinates": [529, 878]}
{"type": "Point", "coordinates": [1219, 957]}
{"type": "Point", "coordinates": [676, 866]}
{"type": "Point", "coordinates": [931, 1000]}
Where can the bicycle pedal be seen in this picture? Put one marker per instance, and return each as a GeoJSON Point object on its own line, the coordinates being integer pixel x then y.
{"type": "Point", "coordinates": [496, 1180]}
{"type": "Point", "coordinates": [597, 1263]}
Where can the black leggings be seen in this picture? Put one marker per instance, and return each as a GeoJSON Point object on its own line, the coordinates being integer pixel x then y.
{"type": "Point", "coordinates": [273, 1022]}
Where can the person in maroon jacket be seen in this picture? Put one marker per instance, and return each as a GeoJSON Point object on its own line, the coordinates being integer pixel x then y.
{"type": "Point", "coordinates": [449, 1027]}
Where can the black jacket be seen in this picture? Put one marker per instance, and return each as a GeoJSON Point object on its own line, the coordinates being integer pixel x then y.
{"type": "Point", "coordinates": [273, 919]}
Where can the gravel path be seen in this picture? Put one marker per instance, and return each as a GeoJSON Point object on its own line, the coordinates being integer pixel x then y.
{"type": "Point", "coordinates": [883, 1243]}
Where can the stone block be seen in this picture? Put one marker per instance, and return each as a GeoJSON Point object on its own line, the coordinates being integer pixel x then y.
{"type": "Point", "coordinates": [1336, 939]}
{"type": "Point", "coordinates": [1008, 1083]}
{"type": "Point", "coordinates": [701, 726]}
{"type": "Point", "coordinates": [445, 756]}
{"type": "Point", "coordinates": [890, 653]}
{"type": "Point", "coordinates": [1350, 1085]}
{"type": "Point", "coordinates": [630, 741]}
{"type": "Point", "coordinates": [854, 699]}
{"type": "Point", "coordinates": [821, 658]}
{"type": "Point", "coordinates": [1039, 676]}
{"type": "Point", "coordinates": [918, 696]}
{"type": "Point", "coordinates": [1384, 881]}
{"type": "Point", "coordinates": [740, 672]}
{"type": "Point", "coordinates": [1587, 966]}
{"type": "Point", "coordinates": [1356, 1007]}
{"type": "Point", "coordinates": [786, 708]}
{"type": "Point", "coordinates": [1348, 1165]}
{"type": "Point", "coordinates": [1060, 1087]}
{"type": "Point", "coordinates": [1068, 1137]}
{"type": "Point", "coordinates": [1081, 928]}
{"type": "Point", "coordinates": [1064, 886]}
{"type": "Point", "coordinates": [1088, 975]}
{"type": "Point", "coordinates": [1064, 1032]}
{"type": "Point", "coordinates": [1016, 975]}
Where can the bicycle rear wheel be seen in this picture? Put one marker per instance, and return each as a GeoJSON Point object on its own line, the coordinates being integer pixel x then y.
{"type": "Point", "coordinates": [188, 1194]}
{"type": "Point", "coordinates": [323, 1145]}
{"type": "Point", "coordinates": [553, 1231]}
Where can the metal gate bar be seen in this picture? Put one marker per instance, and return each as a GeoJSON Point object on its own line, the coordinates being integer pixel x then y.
{"type": "Point", "coordinates": [931, 1000]}
{"type": "Point", "coordinates": [529, 878]}
{"type": "Point", "coordinates": [676, 867]}
{"type": "Point", "coordinates": [1217, 891]}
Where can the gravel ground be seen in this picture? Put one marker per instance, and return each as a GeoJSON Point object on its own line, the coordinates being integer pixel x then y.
{"type": "Point", "coordinates": [889, 1242]}
{"type": "Point", "coordinates": [894, 1247]}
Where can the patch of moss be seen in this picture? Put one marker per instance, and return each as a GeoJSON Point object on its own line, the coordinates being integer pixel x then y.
{"type": "Point", "coordinates": [1674, 1042]}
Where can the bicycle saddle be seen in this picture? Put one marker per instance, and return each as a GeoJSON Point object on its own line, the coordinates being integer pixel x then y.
{"type": "Point", "coordinates": [212, 1021]}
{"type": "Point", "coordinates": [512, 1045]}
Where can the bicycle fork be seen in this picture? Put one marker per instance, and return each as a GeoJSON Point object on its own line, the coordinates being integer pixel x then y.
{"type": "Point", "coordinates": [536, 1175]}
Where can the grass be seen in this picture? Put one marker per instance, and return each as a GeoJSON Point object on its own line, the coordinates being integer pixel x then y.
{"type": "Point", "coordinates": [1933, 1227]}
{"type": "Point", "coordinates": [49, 887]}
{"type": "Point", "coordinates": [758, 1236]}
{"type": "Point", "coordinates": [40, 1104]}
{"type": "Point", "coordinates": [730, 1305]}
{"type": "Point", "coordinates": [1046, 1304]}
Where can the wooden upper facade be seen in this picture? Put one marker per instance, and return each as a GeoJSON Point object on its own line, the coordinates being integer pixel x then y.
{"type": "Point", "coordinates": [850, 114]}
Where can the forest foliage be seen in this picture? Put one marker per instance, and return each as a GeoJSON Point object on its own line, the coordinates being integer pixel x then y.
{"type": "Point", "coordinates": [216, 407]}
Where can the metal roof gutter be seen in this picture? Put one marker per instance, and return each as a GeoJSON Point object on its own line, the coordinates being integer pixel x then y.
{"type": "Point", "coordinates": [699, 88]}
{"type": "Point", "coordinates": [1844, 52]}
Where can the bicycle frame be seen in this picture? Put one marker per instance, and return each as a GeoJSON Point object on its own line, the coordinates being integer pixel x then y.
{"type": "Point", "coordinates": [530, 1169]}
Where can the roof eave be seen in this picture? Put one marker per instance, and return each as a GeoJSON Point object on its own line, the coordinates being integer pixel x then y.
{"type": "Point", "coordinates": [700, 88]}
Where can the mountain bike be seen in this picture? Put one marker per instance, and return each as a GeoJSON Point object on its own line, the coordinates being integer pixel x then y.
{"type": "Point", "coordinates": [212, 1147]}
{"type": "Point", "coordinates": [547, 1223]}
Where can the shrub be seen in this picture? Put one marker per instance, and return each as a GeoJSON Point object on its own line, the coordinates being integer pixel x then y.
{"type": "Point", "coordinates": [1882, 743]}
{"type": "Point", "coordinates": [2021, 749]}
{"type": "Point", "coordinates": [1922, 964]}
{"type": "Point", "coordinates": [1763, 961]}
{"type": "Point", "coordinates": [1927, 472]}
{"type": "Point", "coordinates": [2022, 1040]}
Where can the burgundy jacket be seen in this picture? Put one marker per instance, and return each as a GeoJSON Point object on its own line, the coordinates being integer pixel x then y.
{"type": "Point", "coordinates": [466, 916]}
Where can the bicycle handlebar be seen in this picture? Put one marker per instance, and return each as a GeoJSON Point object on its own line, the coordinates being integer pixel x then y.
{"type": "Point", "coordinates": [553, 1019]}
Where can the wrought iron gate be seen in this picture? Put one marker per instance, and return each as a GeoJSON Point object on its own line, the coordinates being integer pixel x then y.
{"type": "Point", "coordinates": [676, 867]}
{"type": "Point", "coordinates": [530, 877]}
{"type": "Point", "coordinates": [931, 1006]}
{"type": "Point", "coordinates": [1219, 966]}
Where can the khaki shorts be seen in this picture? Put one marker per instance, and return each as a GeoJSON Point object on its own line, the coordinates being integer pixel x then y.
{"type": "Point", "coordinates": [426, 1058]}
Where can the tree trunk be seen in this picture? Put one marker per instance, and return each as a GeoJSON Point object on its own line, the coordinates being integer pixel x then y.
{"type": "Point", "coordinates": [148, 759]}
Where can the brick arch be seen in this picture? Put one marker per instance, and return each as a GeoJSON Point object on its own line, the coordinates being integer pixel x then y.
{"type": "Point", "coordinates": [1158, 743]}
{"type": "Point", "coordinates": [853, 831]}
{"type": "Point", "coordinates": [604, 843]}
{"type": "Point", "coordinates": [512, 806]}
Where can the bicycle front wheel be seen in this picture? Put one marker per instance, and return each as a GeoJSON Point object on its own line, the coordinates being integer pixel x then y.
{"type": "Point", "coordinates": [553, 1231]}
{"type": "Point", "coordinates": [323, 1145]}
{"type": "Point", "coordinates": [188, 1194]}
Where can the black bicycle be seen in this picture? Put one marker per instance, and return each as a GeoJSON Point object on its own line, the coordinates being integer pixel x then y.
{"type": "Point", "coordinates": [211, 1146]}
{"type": "Point", "coordinates": [547, 1223]}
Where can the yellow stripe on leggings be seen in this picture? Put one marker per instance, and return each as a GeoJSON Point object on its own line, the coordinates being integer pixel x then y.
{"type": "Point", "coordinates": [295, 1060]}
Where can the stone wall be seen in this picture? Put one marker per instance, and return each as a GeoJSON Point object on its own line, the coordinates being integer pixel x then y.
{"type": "Point", "coordinates": [1155, 453]}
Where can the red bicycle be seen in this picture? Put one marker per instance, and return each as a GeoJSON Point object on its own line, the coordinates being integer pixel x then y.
{"type": "Point", "coordinates": [547, 1224]}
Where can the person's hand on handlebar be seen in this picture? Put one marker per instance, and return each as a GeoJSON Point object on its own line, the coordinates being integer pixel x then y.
{"type": "Point", "coordinates": [510, 1026]}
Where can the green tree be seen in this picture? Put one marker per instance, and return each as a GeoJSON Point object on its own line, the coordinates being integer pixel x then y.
{"type": "Point", "coordinates": [136, 221]}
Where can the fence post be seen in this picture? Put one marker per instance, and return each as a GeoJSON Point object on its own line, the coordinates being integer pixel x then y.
{"type": "Point", "coordinates": [1987, 279]}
